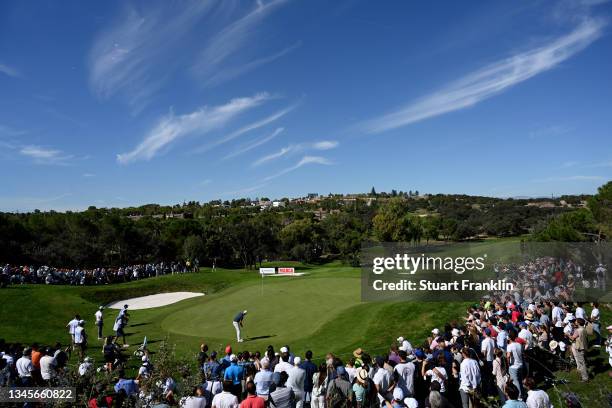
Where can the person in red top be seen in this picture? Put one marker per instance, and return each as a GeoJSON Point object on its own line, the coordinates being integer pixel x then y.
{"type": "Point", "coordinates": [252, 400]}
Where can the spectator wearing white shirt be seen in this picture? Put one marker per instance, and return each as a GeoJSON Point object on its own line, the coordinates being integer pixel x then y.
{"type": "Point", "coordinates": [85, 367]}
{"type": "Point", "coordinates": [487, 349]}
{"type": "Point", "coordinates": [80, 339]}
{"type": "Point", "coordinates": [381, 379]}
{"type": "Point", "coordinates": [596, 324]}
{"type": "Point", "coordinates": [99, 321]}
{"type": "Point", "coordinates": [405, 374]}
{"type": "Point", "coordinates": [48, 366]}
{"type": "Point", "coordinates": [25, 368]}
{"type": "Point", "coordinates": [295, 381]}
{"type": "Point", "coordinates": [469, 377]}
{"type": "Point", "coordinates": [72, 325]}
{"type": "Point", "coordinates": [514, 355]}
{"type": "Point", "coordinates": [535, 398]}
{"type": "Point", "coordinates": [195, 400]}
{"type": "Point", "coordinates": [225, 399]}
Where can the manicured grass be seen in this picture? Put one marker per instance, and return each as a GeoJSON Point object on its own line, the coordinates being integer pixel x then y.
{"type": "Point", "coordinates": [321, 311]}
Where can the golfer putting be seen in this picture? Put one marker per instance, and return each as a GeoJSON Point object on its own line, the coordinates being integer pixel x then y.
{"type": "Point", "coordinates": [238, 323]}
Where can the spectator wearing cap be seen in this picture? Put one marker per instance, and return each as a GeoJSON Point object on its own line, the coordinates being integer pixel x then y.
{"type": "Point", "coordinates": [358, 354]}
{"type": "Point", "coordinates": [579, 346]}
{"type": "Point", "coordinates": [435, 334]}
{"type": "Point", "coordinates": [225, 399]}
{"type": "Point", "coordinates": [235, 374]}
{"type": "Point", "coordinates": [145, 369]}
{"type": "Point", "coordinates": [263, 380]}
{"type": "Point", "coordinates": [283, 364]}
{"type": "Point", "coordinates": [252, 400]}
{"type": "Point", "coordinates": [339, 385]}
{"type": "Point", "coordinates": [297, 376]}
{"type": "Point", "coordinates": [397, 401]}
{"type": "Point", "coordinates": [85, 367]}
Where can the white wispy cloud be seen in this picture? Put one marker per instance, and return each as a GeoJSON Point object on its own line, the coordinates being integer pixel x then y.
{"type": "Point", "coordinates": [256, 143]}
{"type": "Point", "coordinates": [231, 40]}
{"type": "Point", "coordinates": [44, 155]}
{"type": "Point", "coordinates": [305, 161]}
{"type": "Point", "coordinates": [245, 129]}
{"type": "Point", "coordinates": [272, 156]}
{"type": "Point", "coordinates": [226, 74]}
{"type": "Point", "coordinates": [325, 145]}
{"type": "Point", "coordinates": [171, 127]}
{"type": "Point", "coordinates": [490, 80]}
{"type": "Point", "coordinates": [88, 175]}
{"type": "Point", "coordinates": [296, 148]}
{"type": "Point", "coordinates": [569, 178]}
{"type": "Point", "coordinates": [10, 71]}
{"type": "Point", "coordinates": [124, 55]}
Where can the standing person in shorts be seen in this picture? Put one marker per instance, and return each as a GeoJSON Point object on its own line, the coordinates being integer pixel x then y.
{"type": "Point", "coordinates": [238, 323]}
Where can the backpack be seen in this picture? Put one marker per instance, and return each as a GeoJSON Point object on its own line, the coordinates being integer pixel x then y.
{"type": "Point", "coordinates": [589, 329]}
{"type": "Point", "coordinates": [336, 398]}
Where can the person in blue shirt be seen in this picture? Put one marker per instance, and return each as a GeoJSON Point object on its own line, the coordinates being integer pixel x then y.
{"type": "Point", "coordinates": [238, 323]}
{"type": "Point", "coordinates": [235, 374]}
{"type": "Point", "coordinates": [129, 386]}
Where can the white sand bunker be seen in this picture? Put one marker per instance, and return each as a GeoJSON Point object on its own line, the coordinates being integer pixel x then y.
{"type": "Point", "coordinates": [147, 302]}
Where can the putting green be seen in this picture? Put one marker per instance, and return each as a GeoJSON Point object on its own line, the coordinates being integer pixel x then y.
{"type": "Point", "coordinates": [283, 310]}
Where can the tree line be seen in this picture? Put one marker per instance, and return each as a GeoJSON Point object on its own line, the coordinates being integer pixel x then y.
{"type": "Point", "coordinates": [238, 234]}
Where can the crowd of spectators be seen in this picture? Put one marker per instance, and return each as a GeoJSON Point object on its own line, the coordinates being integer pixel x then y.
{"type": "Point", "coordinates": [10, 274]}
{"type": "Point", "coordinates": [548, 277]}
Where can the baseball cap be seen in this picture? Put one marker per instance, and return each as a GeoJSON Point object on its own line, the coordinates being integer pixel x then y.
{"type": "Point", "coordinates": [400, 339]}
{"type": "Point", "coordinates": [297, 360]}
{"type": "Point", "coordinates": [233, 357]}
{"type": "Point", "coordinates": [455, 332]}
{"type": "Point", "coordinates": [284, 349]}
{"type": "Point", "coordinates": [435, 331]}
{"type": "Point", "coordinates": [245, 312]}
{"type": "Point", "coordinates": [398, 394]}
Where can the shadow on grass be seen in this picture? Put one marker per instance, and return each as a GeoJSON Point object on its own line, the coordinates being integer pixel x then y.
{"type": "Point", "coordinates": [261, 337]}
{"type": "Point", "coordinates": [139, 324]}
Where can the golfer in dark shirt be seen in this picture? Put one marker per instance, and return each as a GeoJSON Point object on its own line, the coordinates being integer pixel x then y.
{"type": "Point", "coordinates": [238, 319]}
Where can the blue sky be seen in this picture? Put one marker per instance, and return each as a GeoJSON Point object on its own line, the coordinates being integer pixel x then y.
{"type": "Point", "coordinates": [122, 103]}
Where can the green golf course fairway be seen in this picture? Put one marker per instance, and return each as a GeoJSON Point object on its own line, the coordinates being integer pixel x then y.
{"type": "Point", "coordinates": [299, 302]}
